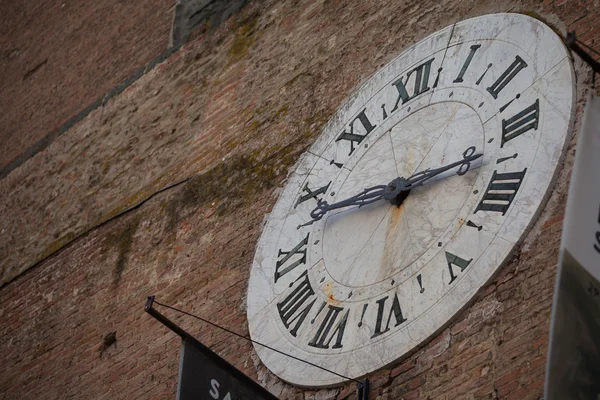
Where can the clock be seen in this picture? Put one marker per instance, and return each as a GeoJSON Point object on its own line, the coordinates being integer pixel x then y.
{"type": "Point", "coordinates": [417, 191]}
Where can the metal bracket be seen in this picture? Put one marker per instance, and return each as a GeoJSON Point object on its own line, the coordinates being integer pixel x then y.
{"type": "Point", "coordinates": [363, 390]}
{"type": "Point", "coordinates": [571, 42]}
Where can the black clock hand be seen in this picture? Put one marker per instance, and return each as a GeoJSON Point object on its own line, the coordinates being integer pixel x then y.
{"type": "Point", "coordinates": [396, 191]}
{"type": "Point", "coordinates": [367, 196]}
{"type": "Point", "coordinates": [400, 185]}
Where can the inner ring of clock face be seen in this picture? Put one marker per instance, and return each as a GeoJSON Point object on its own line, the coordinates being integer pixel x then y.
{"type": "Point", "coordinates": [365, 246]}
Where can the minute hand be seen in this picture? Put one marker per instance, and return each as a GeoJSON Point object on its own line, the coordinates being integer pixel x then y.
{"type": "Point", "coordinates": [421, 177]}
{"type": "Point", "coordinates": [367, 196]}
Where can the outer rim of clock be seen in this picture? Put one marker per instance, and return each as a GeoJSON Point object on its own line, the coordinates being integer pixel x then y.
{"type": "Point", "coordinates": [531, 222]}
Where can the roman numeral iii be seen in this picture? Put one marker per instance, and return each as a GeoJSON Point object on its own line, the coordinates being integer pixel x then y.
{"type": "Point", "coordinates": [522, 122]}
{"type": "Point", "coordinates": [501, 191]}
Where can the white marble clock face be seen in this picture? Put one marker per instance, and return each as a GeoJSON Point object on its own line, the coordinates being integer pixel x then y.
{"type": "Point", "coordinates": [362, 287]}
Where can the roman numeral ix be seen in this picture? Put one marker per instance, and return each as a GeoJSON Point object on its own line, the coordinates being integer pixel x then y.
{"type": "Point", "coordinates": [300, 249]}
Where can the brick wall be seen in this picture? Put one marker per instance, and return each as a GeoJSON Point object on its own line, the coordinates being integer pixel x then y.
{"type": "Point", "coordinates": [233, 110]}
{"type": "Point", "coordinates": [58, 56]}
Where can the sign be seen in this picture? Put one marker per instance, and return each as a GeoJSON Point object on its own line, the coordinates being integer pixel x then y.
{"type": "Point", "coordinates": [573, 370]}
{"type": "Point", "coordinates": [205, 375]}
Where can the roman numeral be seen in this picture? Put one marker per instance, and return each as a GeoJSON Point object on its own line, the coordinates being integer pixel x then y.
{"type": "Point", "coordinates": [286, 257]}
{"type": "Point", "coordinates": [421, 83]}
{"type": "Point", "coordinates": [354, 137]}
{"type": "Point", "coordinates": [395, 310]}
{"type": "Point", "coordinates": [501, 191]}
{"type": "Point", "coordinates": [323, 338]}
{"type": "Point", "coordinates": [311, 194]}
{"type": "Point", "coordinates": [461, 263]}
{"type": "Point", "coordinates": [289, 308]}
{"type": "Point", "coordinates": [459, 78]}
{"type": "Point", "coordinates": [507, 76]}
{"type": "Point", "coordinates": [522, 122]}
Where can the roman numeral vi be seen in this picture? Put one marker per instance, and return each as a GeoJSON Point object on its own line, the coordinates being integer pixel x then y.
{"type": "Point", "coordinates": [395, 310]}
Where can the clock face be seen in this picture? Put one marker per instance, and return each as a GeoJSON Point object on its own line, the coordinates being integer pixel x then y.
{"type": "Point", "coordinates": [363, 286]}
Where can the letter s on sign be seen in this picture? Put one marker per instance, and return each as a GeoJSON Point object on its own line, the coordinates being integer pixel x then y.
{"type": "Point", "coordinates": [214, 392]}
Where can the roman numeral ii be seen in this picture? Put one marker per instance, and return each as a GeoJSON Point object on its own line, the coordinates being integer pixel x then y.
{"type": "Point", "coordinates": [507, 76]}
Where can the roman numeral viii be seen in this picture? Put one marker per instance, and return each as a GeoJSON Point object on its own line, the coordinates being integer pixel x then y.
{"type": "Point", "coordinates": [296, 306]}
{"type": "Point", "coordinates": [501, 191]}
{"type": "Point", "coordinates": [300, 250]}
{"type": "Point", "coordinates": [507, 76]}
{"type": "Point", "coordinates": [522, 122]}
{"type": "Point", "coordinates": [421, 83]}
{"type": "Point", "coordinates": [325, 335]}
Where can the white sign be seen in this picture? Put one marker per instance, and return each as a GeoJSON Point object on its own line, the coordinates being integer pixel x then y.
{"type": "Point", "coordinates": [573, 370]}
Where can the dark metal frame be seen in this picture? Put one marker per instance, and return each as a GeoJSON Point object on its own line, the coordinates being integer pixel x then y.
{"type": "Point", "coordinates": [571, 42]}
{"type": "Point", "coordinates": [238, 375]}
{"type": "Point", "coordinates": [363, 385]}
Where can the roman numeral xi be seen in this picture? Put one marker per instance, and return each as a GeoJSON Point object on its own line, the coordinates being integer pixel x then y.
{"type": "Point", "coordinates": [355, 138]}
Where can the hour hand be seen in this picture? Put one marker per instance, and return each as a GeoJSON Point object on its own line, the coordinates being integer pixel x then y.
{"type": "Point", "coordinates": [367, 196]}
{"type": "Point", "coordinates": [463, 165]}
{"type": "Point", "coordinates": [400, 187]}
